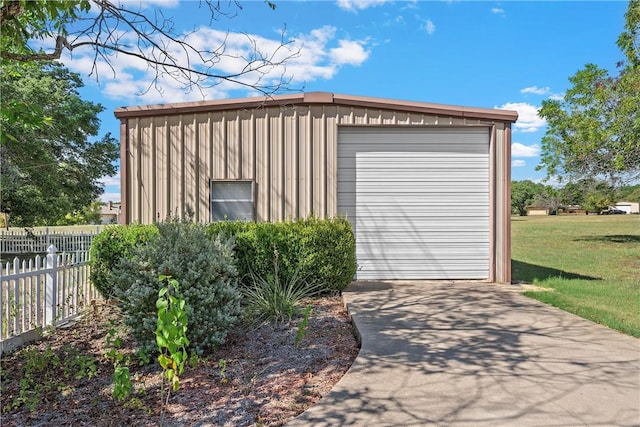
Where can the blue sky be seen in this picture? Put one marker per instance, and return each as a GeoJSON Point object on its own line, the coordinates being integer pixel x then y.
{"type": "Point", "coordinates": [474, 53]}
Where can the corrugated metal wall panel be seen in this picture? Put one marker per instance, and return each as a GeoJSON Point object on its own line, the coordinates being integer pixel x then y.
{"type": "Point", "coordinates": [232, 146]}
{"type": "Point", "coordinates": [133, 171]}
{"type": "Point", "coordinates": [203, 137]}
{"type": "Point", "coordinates": [191, 155]}
{"type": "Point", "coordinates": [292, 153]}
{"type": "Point", "coordinates": [331, 161]}
{"type": "Point", "coordinates": [175, 187]}
{"type": "Point", "coordinates": [276, 181]}
{"type": "Point", "coordinates": [290, 165]}
{"type": "Point", "coordinates": [146, 170]}
{"type": "Point", "coordinates": [502, 217]}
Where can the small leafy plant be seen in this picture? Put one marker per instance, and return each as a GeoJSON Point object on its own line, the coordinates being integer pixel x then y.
{"type": "Point", "coordinates": [302, 326]}
{"type": "Point", "coordinates": [171, 333]}
{"type": "Point", "coordinates": [48, 373]}
{"type": "Point", "coordinates": [121, 377]}
{"type": "Point", "coordinates": [222, 365]}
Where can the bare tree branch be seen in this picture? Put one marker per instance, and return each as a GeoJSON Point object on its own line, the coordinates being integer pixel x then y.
{"type": "Point", "coordinates": [151, 37]}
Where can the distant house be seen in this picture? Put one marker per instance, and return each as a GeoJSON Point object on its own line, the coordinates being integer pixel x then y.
{"type": "Point", "coordinates": [537, 210]}
{"type": "Point", "coordinates": [574, 210]}
{"type": "Point", "coordinates": [629, 207]}
{"type": "Point", "coordinates": [110, 213]}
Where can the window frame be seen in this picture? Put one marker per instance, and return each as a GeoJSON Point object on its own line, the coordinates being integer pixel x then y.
{"type": "Point", "coordinates": [253, 185]}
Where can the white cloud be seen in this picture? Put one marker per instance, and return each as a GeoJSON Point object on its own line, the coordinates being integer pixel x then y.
{"type": "Point", "coordinates": [318, 54]}
{"type": "Point", "coordinates": [110, 197]}
{"type": "Point", "coordinates": [557, 96]}
{"type": "Point", "coordinates": [528, 118]}
{"type": "Point", "coordinates": [354, 5]}
{"type": "Point", "coordinates": [429, 27]}
{"type": "Point", "coordinates": [110, 181]}
{"type": "Point", "coordinates": [144, 4]}
{"type": "Point", "coordinates": [536, 90]}
{"type": "Point", "coordinates": [497, 11]}
{"type": "Point", "coordinates": [518, 163]}
{"type": "Point", "coordinates": [521, 150]}
{"type": "Point", "coordinates": [348, 52]}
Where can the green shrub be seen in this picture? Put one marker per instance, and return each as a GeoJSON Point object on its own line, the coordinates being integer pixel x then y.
{"type": "Point", "coordinates": [113, 243]}
{"type": "Point", "coordinates": [205, 268]}
{"type": "Point", "coordinates": [322, 251]}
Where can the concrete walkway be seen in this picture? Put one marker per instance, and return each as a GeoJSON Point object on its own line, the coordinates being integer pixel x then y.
{"type": "Point", "coordinates": [476, 354]}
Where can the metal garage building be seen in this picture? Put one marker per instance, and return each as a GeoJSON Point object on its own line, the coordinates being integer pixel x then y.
{"type": "Point", "coordinates": [426, 186]}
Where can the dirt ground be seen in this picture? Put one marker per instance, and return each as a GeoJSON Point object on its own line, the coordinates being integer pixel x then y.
{"type": "Point", "coordinates": [258, 377]}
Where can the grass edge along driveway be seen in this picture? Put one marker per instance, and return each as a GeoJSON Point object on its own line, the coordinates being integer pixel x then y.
{"type": "Point", "coordinates": [589, 265]}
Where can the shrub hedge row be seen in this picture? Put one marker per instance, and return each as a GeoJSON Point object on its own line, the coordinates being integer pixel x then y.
{"type": "Point", "coordinates": [320, 251]}
{"type": "Point", "coordinates": [212, 263]}
{"type": "Point", "coordinates": [108, 247]}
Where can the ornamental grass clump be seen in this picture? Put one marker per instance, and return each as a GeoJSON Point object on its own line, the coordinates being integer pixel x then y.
{"type": "Point", "coordinates": [205, 267]}
{"type": "Point", "coordinates": [273, 298]}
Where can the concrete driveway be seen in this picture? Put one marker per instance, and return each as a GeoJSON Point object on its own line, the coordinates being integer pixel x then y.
{"type": "Point", "coordinates": [477, 354]}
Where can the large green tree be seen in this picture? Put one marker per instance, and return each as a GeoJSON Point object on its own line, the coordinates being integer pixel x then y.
{"type": "Point", "coordinates": [49, 166]}
{"type": "Point", "coordinates": [523, 194]}
{"type": "Point", "coordinates": [630, 193]}
{"type": "Point", "coordinates": [549, 198]}
{"type": "Point", "coordinates": [595, 130]}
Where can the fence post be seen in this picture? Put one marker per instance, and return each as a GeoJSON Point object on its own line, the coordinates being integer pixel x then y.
{"type": "Point", "coordinates": [51, 286]}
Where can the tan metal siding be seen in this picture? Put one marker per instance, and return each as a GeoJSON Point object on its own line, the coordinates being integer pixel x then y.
{"type": "Point", "coordinates": [203, 129]}
{"type": "Point", "coordinates": [304, 163]}
{"type": "Point", "coordinates": [134, 170]}
{"type": "Point", "coordinates": [291, 153]}
{"type": "Point", "coordinates": [331, 160]}
{"type": "Point", "coordinates": [162, 208]}
{"type": "Point", "coordinates": [190, 164]}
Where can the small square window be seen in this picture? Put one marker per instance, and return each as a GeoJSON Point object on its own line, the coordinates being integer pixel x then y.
{"type": "Point", "coordinates": [232, 200]}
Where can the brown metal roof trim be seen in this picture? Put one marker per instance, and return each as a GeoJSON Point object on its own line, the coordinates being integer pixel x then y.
{"type": "Point", "coordinates": [316, 98]}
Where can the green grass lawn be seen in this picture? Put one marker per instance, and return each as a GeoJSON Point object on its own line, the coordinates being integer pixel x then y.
{"type": "Point", "coordinates": [589, 263]}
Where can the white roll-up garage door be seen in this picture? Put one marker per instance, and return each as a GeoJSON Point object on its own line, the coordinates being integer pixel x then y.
{"type": "Point", "coordinates": [418, 199]}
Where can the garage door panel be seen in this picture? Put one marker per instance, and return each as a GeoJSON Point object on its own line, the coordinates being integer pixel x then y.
{"type": "Point", "coordinates": [406, 271]}
{"type": "Point", "coordinates": [415, 175]}
{"type": "Point", "coordinates": [427, 216]}
{"type": "Point", "coordinates": [381, 149]}
{"type": "Point", "coordinates": [477, 199]}
{"type": "Point", "coordinates": [448, 163]}
{"type": "Point", "coordinates": [448, 254]}
{"type": "Point", "coordinates": [418, 200]}
{"type": "Point", "coordinates": [444, 272]}
{"type": "Point", "coordinates": [424, 237]}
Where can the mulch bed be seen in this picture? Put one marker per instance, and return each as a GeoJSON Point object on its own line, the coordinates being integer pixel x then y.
{"type": "Point", "coordinates": [266, 379]}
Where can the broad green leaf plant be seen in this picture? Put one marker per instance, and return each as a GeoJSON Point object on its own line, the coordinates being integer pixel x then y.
{"type": "Point", "coordinates": [171, 333]}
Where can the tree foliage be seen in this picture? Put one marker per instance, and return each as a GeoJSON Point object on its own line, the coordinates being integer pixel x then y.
{"type": "Point", "coordinates": [49, 168]}
{"type": "Point", "coordinates": [523, 194]}
{"type": "Point", "coordinates": [88, 215]}
{"type": "Point", "coordinates": [549, 198]}
{"type": "Point", "coordinates": [595, 130]}
{"type": "Point", "coordinates": [630, 193]}
{"type": "Point", "coordinates": [599, 197]}
{"type": "Point", "coordinates": [143, 33]}
{"type": "Point", "coordinates": [589, 193]}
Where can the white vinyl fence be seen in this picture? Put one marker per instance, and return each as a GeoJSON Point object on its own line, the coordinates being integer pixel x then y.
{"type": "Point", "coordinates": [41, 292]}
{"type": "Point", "coordinates": [20, 242]}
